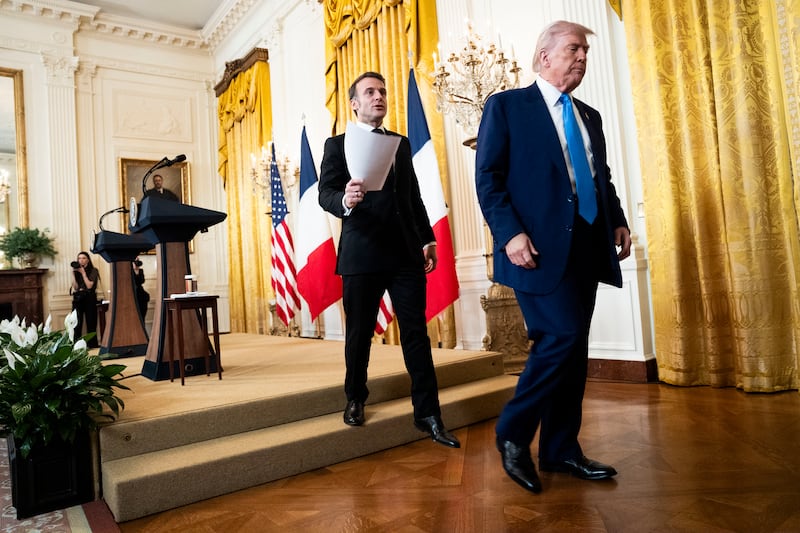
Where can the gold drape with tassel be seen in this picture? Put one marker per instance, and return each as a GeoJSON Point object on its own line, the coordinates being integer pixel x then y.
{"type": "Point", "coordinates": [378, 35]}
{"type": "Point", "coordinates": [717, 129]}
{"type": "Point", "coordinates": [245, 125]}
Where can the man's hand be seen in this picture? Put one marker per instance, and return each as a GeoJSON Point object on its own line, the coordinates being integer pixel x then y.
{"type": "Point", "coordinates": [430, 258]}
{"type": "Point", "coordinates": [354, 193]}
{"type": "Point", "coordinates": [622, 238]}
{"type": "Point", "coordinates": [521, 252]}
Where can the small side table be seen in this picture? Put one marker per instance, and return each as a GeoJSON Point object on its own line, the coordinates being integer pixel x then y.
{"type": "Point", "coordinates": [176, 306]}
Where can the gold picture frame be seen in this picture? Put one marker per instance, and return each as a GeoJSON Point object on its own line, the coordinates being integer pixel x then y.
{"type": "Point", "coordinates": [131, 173]}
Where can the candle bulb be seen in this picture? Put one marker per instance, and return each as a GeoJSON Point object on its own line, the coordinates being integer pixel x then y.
{"type": "Point", "coordinates": [252, 160]}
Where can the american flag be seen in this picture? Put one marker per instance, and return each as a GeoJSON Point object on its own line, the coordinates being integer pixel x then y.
{"type": "Point", "coordinates": [284, 284]}
{"type": "Point", "coordinates": [385, 314]}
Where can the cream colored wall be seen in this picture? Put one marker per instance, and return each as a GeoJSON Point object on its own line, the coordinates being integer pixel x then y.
{"type": "Point", "coordinates": [91, 99]}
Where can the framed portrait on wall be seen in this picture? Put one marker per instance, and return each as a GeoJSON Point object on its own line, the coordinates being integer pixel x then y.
{"type": "Point", "coordinates": [172, 182]}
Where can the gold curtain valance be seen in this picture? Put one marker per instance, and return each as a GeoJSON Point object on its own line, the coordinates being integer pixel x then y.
{"type": "Point", "coordinates": [247, 91]}
{"type": "Point", "coordinates": [237, 66]}
{"type": "Point", "coordinates": [342, 18]}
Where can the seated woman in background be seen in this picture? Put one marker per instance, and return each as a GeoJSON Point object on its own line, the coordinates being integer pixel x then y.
{"type": "Point", "coordinates": [84, 298]}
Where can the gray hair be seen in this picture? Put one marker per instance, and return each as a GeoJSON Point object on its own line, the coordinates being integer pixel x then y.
{"type": "Point", "coordinates": [551, 33]}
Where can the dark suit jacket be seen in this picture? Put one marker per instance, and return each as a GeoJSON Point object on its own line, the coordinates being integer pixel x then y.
{"type": "Point", "coordinates": [388, 229]}
{"type": "Point", "coordinates": [523, 186]}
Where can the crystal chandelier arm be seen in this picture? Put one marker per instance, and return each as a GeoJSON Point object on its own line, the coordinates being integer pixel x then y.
{"type": "Point", "coordinates": [464, 81]}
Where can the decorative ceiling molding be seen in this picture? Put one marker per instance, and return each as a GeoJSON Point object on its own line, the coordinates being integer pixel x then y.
{"type": "Point", "coordinates": [219, 27]}
{"type": "Point", "coordinates": [152, 32]}
{"type": "Point", "coordinates": [88, 18]}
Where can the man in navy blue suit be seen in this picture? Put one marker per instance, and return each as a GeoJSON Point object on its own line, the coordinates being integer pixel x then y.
{"type": "Point", "coordinates": [556, 222]}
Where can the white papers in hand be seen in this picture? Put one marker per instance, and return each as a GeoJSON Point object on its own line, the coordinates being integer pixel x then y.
{"type": "Point", "coordinates": [369, 156]}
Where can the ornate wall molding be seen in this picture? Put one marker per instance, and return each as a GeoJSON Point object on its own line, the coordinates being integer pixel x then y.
{"type": "Point", "coordinates": [87, 71]}
{"type": "Point", "coordinates": [60, 70]}
{"type": "Point", "coordinates": [141, 115]}
{"type": "Point", "coordinates": [272, 37]}
{"type": "Point", "coordinates": [142, 68]}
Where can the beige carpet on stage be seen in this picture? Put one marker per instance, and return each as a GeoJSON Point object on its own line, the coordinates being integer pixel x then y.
{"type": "Point", "coordinates": [258, 367]}
{"type": "Point", "coordinates": [276, 412]}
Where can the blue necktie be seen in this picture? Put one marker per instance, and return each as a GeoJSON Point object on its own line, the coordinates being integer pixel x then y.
{"type": "Point", "coordinates": [584, 184]}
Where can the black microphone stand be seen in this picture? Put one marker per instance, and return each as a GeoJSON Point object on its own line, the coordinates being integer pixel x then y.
{"type": "Point", "coordinates": [166, 162]}
{"type": "Point", "coordinates": [104, 215]}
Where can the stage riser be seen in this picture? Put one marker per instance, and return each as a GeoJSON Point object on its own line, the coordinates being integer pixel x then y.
{"type": "Point", "coordinates": [130, 438]}
{"type": "Point", "coordinates": [140, 485]}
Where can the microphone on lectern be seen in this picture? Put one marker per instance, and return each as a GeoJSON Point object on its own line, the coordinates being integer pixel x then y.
{"type": "Point", "coordinates": [115, 210]}
{"type": "Point", "coordinates": [178, 159]}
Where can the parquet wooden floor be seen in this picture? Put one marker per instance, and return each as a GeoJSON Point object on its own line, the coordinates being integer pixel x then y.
{"type": "Point", "coordinates": [689, 459]}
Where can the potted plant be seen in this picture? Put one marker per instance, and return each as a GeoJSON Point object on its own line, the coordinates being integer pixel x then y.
{"type": "Point", "coordinates": [27, 245]}
{"type": "Point", "coordinates": [53, 395]}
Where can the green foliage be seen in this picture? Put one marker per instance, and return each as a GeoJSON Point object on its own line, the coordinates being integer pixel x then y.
{"type": "Point", "coordinates": [20, 241]}
{"type": "Point", "coordinates": [53, 388]}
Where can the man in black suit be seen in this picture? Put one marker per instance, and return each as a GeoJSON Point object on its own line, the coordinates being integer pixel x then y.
{"type": "Point", "coordinates": [386, 244]}
{"type": "Point", "coordinates": [555, 218]}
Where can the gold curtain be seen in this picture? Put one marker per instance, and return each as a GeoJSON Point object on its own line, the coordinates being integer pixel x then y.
{"type": "Point", "coordinates": [616, 5]}
{"type": "Point", "coordinates": [379, 35]}
{"type": "Point", "coordinates": [717, 127]}
{"type": "Point", "coordinates": [245, 125]}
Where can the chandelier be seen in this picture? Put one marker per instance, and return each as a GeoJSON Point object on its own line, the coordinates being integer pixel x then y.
{"type": "Point", "coordinates": [5, 185]}
{"type": "Point", "coordinates": [464, 81]}
{"type": "Point", "coordinates": [261, 174]}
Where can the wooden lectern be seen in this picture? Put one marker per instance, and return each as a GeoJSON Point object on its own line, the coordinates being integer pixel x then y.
{"type": "Point", "coordinates": [170, 225]}
{"type": "Point", "coordinates": [125, 334]}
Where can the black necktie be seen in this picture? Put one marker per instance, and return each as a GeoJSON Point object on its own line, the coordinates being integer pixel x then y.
{"type": "Point", "coordinates": [379, 130]}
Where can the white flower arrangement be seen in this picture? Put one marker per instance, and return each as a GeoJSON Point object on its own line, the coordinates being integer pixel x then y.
{"type": "Point", "coordinates": [51, 387]}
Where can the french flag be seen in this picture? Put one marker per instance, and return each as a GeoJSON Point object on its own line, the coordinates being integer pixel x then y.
{"type": "Point", "coordinates": [442, 282]}
{"type": "Point", "coordinates": [317, 281]}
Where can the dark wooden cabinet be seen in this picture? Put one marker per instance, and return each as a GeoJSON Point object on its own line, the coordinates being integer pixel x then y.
{"type": "Point", "coordinates": [22, 294]}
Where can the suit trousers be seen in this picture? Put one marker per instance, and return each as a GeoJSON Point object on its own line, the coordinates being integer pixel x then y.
{"type": "Point", "coordinates": [361, 297]}
{"type": "Point", "coordinates": [549, 393]}
{"type": "Point", "coordinates": [85, 303]}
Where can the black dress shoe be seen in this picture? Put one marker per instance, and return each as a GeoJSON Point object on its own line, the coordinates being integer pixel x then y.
{"type": "Point", "coordinates": [354, 413]}
{"type": "Point", "coordinates": [518, 465]}
{"type": "Point", "coordinates": [582, 467]}
{"type": "Point", "coordinates": [434, 427]}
